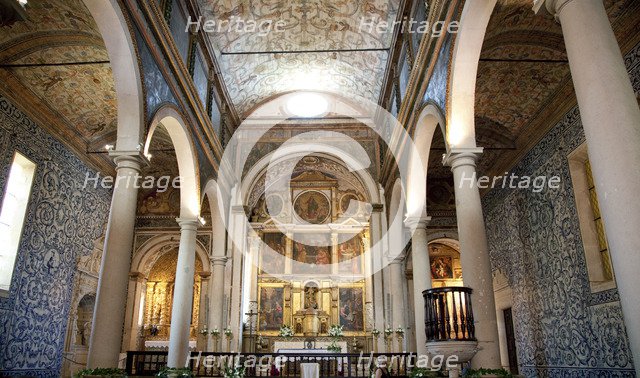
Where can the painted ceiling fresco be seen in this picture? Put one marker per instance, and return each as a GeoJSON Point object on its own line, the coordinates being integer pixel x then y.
{"type": "Point", "coordinates": [312, 48]}
{"type": "Point", "coordinates": [58, 59]}
{"type": "Point", "coordinates": [523, 65]}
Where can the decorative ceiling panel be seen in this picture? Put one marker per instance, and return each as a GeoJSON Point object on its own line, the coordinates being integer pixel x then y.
{"type": "Point", "coordinates": [311, 44]}
{"type": "Point", "coordinates": [58, 59]}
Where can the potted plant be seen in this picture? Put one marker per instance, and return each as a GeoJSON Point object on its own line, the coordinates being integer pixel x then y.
{"type": "Point", "coordinates": [335, 348]}
{"type": "Point", "coordinates": [100, 372]}
{"type": "Point", "coordinates": [469, 373]}
{"type": "Point", "coordinates": [417, 372]}
{"type": "Point", "coordinates": [175, 373]}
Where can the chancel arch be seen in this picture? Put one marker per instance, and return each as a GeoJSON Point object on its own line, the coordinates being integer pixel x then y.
{"type": "Point", "coordinates": [318, 277]}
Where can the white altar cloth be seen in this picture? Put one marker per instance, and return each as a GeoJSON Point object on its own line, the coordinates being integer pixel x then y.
{"type": "Point", "coordinates": [309, 370]}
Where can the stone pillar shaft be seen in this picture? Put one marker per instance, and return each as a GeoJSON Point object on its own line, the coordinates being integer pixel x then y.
{"type": "Point", "coordinates": [108, 316]}
{"type": "Point", "coordinates": [611, 120]}
{"type": "Point", "coordinates": [183, 294]}
{"type": "Point", "coordinates": [474, 255]}
{"type": "Point", "coordinates": [421, 279]}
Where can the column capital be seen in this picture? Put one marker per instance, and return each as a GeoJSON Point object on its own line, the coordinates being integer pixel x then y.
{"type": "Point", "coordinates": [128, 159]}
{"type": "Point", "coordinates": [188, 223]}
{"type": "Point", "coordinates": [417, 222]}
{"type": "Point", "coordinates": [218, 260]}
{"type": "Point", "coordinates": [377, 207]}
{"type": "Point", "coordinates": [552, 7]}
{"type": "Point", "coordinates": [457, 157]}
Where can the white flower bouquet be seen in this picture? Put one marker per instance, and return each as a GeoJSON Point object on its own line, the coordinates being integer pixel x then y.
{"type": "Point", "coordinates": [335, 331]}
{"type": "Point", "coordinates": [286, 331]}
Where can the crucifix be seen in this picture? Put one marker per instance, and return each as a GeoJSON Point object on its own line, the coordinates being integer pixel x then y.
{"type": "Point", "coordinates": [251, 314]}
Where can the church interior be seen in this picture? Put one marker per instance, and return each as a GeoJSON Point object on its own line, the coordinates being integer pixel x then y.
{"type": "Point", "coordinates": [184, 181]}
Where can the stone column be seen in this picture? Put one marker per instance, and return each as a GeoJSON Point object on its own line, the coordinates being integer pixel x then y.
{"type": "Point", "coordinates": [611, 121]}
{"type": "Point", "coordinates": [203, 315]}
{"type": "Point", "coordinates": [108, 317]}
{"type": "Point", "coordinates": [183, 294]}
{"type": "Point", "coordinates": [217, 298]}
{"type": "Point", "coordinates": [474, 254]}
{"type": "Point", "coordinates": [421, 276]}
{"type": "Point", "coordinates": [134, 316]}
{"type": "Point", "coordinates": [398, 309]}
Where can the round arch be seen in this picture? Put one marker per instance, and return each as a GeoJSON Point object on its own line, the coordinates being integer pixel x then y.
{"type": "Point", "coordinates": [175, 125]}
{"type": "Point", "coordinates": [464, 70]}
{"type": "Point", "coordinates": [126, 71]}
{"type": "Point", "coordinates": [429, 120]}
{"type": "Point", "coordinates": [332, 153]}
{"type": "Point", "coordinates": [149, 252]}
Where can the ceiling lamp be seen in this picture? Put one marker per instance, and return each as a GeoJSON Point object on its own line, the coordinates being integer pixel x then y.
{"type": "Point", "coordinates": [307, 105]}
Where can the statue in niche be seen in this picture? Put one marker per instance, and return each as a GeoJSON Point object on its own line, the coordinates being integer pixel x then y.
{"type": "Point", "coordinates": [311, 298]}
{"type": "Point", "coordinates": [86, 333]}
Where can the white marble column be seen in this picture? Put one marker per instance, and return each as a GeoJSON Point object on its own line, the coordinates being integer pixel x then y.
{"type": "Point", "coordinates": [611, 122]}
{"type": "Point", "coordinates": [398, 282]}
{"type": "Point", "coordinates": [134, 316]}
{"type": "Point", "coordinates": [108, 316]}
{"type": "Point", "coordinates": [474, 255]}
{"type": "Point", "coordinates": [216, 304]}
{"type": "Point", "coordinates": [183, 294]}
{"type": "Point", "coordinates": [421, 276]}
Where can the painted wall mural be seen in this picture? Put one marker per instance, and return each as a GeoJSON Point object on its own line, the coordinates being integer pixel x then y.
{"type": "Point", "coordinates": [562, 329]}
{"type": "Point", "coordinates": [63, 220]}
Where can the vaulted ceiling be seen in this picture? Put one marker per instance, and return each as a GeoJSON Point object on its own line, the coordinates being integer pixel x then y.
{"type": "Point", "coordinates": [524, 76]}
{"type": "Point", "coordinates": [322, 47]}
{"type": "Point", "coordinates": [56, 67]}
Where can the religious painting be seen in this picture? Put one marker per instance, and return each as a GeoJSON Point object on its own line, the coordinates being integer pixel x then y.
{"type": "Point", "coordinates": [351, 303]}
{"type": "Point", "coordinates": [270, 263]}
{"type": "Point", "coordinates": [271, 308]}
{"type": "Point", "coordinates": [345, 201]}
{"type": "Point", "coordinates": [349, 255]}
{"type": "Point", "coordinates": [441, 267]}
{"type": "Point", "coordinates": [313, 207]}
{"type": "Point", "coordinates": [314, 250]}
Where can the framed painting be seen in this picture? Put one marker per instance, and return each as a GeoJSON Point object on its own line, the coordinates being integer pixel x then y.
{"type": "Point", "coordinates": [270, 305]}
{"type": "Point", "coordinates": [351, 308]}
{"type": "Point", "coordinates": [441, 268]}
{"type": "Point", "coordinates": [313, 207]}
{"type": "Point", "coordinates": [350, 255]}
{"type": "Point", "coordinates": [270, 263]}
{"type": "Point", "coordinates": [312, 253]}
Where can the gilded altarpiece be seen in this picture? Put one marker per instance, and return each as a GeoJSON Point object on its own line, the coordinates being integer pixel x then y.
{"type": "Point", "coordinates": [318, 267]}
{"type": "Point", "coordinates": [159, 297]}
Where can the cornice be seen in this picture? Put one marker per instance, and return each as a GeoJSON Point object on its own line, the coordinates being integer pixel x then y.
{"type": "Point", "coordinates": [162, 47]}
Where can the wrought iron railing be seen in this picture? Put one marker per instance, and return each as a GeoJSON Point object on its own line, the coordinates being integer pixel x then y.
{"type": "Point", "coordinates": [209, 364]}
{"type": "Point", "coordinates": [448, 314]}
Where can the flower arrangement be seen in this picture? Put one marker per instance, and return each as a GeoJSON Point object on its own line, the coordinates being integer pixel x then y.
{"type": "Point", "coordinates": [204, 331]}
{"type": "Point", "coordinates": [102, 372]}
{"type": "Point", "coordinates": [234, 372]}
{"type": "Point", "coordinates": [417, 372]}
{"type": "Point", "coordinates": [215, 332]}
{"type": "Point", "coordinates": [286, 331]}
{"type": "Point", "coordinates": [335, 331]}
{"type": "Point", "coordinates": [388, 331]}
{"type": "Point", "coordinates": [400, 331]}
{"type": "Point", "coordinates": [227, 332]}
{"type": "Point", "coordinates": [375, 333]}
{"type": "Point", "coordinates": [481, 372]}
{"type": "Point", "coordinates": [334, 347]}
{"type": "Point", "coordinates": [175, 372]}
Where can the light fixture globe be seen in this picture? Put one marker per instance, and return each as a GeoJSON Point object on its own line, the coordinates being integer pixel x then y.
{"type": "Point", "coordinates": [307, 105]}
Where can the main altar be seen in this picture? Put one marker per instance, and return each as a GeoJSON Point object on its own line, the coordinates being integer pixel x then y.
{"type": "Point", "coordinates": [311, 273]}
